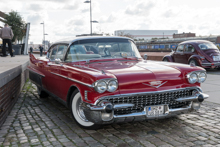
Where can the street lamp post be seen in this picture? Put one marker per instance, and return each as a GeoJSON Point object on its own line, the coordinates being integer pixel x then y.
{"type": "Point", "coordinates": [91, 16]}
{"type": "Point", "coordinates": [44, 35]}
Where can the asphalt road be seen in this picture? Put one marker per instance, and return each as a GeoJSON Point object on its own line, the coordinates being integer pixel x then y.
{"type": "Point", "coordinates": [212, 85]}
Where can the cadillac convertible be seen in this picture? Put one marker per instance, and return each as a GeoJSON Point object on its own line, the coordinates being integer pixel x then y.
{"type": "Point", "coordinates": [104, 80]}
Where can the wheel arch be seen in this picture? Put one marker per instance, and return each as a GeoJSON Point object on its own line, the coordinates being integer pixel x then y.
{"type": "Point", "coordinates": [168, 57]}
{"type": "Point", "coordinates": [70, 91]}
{"type": "Point", "coordinates": [196, 58]}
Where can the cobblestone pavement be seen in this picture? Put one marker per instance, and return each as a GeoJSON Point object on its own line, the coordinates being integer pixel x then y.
{"type": "Point", "coordinates": [45, 122]}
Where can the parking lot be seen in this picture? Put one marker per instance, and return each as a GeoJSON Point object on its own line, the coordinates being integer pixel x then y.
{"type": "Point", "coordinates": [46, 122]}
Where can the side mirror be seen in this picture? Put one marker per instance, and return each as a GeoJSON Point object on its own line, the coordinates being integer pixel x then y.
{"type": "Point", "coordinates": [145, 56]}
{"type": "Point", "coordinates": [57, 61]}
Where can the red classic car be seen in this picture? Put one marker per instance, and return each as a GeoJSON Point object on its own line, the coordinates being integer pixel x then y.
{"type": "Point", "coordinates": [197, 52]}
{"type": "Point", "coordinates": [104, 80]}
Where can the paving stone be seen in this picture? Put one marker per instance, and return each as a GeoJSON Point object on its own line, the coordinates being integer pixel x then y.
{"type": "Point", "coordinates": [45, 122]}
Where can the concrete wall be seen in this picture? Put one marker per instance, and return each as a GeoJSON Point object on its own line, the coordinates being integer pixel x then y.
{"type": "Point", "coordinates": [11, 83]}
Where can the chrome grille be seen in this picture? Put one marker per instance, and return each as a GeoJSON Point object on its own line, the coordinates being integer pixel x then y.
{"type": "Point", "coordinates": [144, 100]}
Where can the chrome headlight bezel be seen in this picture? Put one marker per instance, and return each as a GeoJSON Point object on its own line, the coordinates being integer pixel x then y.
{"type": "Point", "coordinates": [199, 75]}
{"type": "Point", "coordinates": [98, 87]}
{"type": "Point", "coordinates": [109, 86]}
{"type": "Point", "coordinates": [108, 83]}
{"type": "Point", "coordinates": [202, 77]}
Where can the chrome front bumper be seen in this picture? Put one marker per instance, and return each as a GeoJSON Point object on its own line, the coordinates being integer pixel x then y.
{"type": "Point", "coordinates": [94, 113]}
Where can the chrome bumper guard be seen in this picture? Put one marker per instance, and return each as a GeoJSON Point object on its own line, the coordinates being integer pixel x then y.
{"type": "Point", "coordinates": [197, 98]}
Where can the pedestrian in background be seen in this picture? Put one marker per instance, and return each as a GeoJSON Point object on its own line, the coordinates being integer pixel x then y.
{"type": "Point", "coordinates": [6, 34]}
{"type": "Point", "coordinates": [41, 50]}
{"type": "Point", "coordinates": [31, 49]}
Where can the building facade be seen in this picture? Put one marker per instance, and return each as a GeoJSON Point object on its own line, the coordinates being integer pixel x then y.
{"type": "Point", "coordinates": [147, 34]}
{"type": "Point", "coordinates": [184, 35]}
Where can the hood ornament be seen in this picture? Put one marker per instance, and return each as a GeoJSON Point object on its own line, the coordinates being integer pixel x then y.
{"type": "Point", "coordinates": [155, 84]}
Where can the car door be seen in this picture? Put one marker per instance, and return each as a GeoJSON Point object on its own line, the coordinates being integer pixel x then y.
{"type": "Point", "coordinates": [61, 71]}
{"type": "Point", "coordinates": [178, 54]}
{"type": "Point", "coordinates": [188, 52]}
{"type": "Point", "coordinates": [53, 70]}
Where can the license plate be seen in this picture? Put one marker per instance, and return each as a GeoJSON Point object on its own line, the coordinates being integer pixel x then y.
{"type": "Point", "coordinates": [153, 111]}
{"type": "Point", "coordinates": [216, 58]}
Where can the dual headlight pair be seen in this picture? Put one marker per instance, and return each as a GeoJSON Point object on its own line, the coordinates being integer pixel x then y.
{"type": "Point", "coordinates": [198, 76]}
{"type": "Point", "coordinates": [103, 85]}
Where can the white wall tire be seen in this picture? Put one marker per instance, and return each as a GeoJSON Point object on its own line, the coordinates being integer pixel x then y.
{"type": "Point", "coordinates": [78, 113]}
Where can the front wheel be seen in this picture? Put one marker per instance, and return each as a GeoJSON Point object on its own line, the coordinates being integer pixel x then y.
{"type": "Point", "coordinates": [78, 113]}
{"type": "Point", "coordinates": [165, 60]}
{"type": "Point", "coordinates": [41, 93]}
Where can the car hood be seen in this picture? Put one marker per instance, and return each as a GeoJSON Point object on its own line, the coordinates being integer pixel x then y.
{"type": "Point", "coordinates": [141, 76]}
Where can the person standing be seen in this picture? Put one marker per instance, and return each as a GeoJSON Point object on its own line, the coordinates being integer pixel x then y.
{"type": "Point", "coordinates": [41, 50]}
{"type": "Point", "coordinates": [6, 34]}
{"type": "Point", "coordinates": [31, 49]}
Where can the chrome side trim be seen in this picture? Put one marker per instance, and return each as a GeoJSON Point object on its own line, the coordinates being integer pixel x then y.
{"type": "Point", "coordinates": [73, 80]}
{"type": "Point", "coordinates": [142, 93]}
{"type": "Point", "coordinates": [35, 72]}
{"type": "Point", "coordinates": [122, 106]}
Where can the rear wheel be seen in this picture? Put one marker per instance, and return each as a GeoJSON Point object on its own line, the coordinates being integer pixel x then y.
{"type": "Point", "coordinates": [78, 113]}
{"type": "Point", "coordinates": [41, 93]}
{"type": "Point", "coordinates": [165, 60]}
{"type": "Point", "coordinates": [193, 62]}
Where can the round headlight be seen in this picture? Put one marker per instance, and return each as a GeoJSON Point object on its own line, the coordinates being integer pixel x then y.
{"type": "Point", "coordinates": [193, 78]}
{"type": "Point", "coordinates": [101, 86]}
{"type": "Point", "coordinates": [202, 77]}
{"type": "Point", "coordinates": [112, 85]}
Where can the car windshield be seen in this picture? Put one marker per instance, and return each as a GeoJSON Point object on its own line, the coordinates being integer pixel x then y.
{"type": "Point", "coordinates": [205, 46]}
{"type": "Point", "coordinates": [101, 48]}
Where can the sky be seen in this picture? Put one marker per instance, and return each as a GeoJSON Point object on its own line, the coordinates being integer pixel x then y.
{"type": "Point", "coordinates": [67, 18]}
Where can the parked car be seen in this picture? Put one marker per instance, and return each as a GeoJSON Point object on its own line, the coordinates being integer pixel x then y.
{"type": "Point", "coordinates": [104, 80]}
{"type": "Point", "coordinates": [197, 52]}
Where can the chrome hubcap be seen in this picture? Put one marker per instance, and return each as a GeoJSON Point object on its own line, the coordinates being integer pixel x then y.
{"type": "Point", "coordinates": [192, 63]}
{"type": "Point", "coordinates": [80, 111]}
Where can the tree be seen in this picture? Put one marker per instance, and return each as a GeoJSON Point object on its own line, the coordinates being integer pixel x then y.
{"type": "Point", "coordinates": [121, 33]}
{"type": "Point", "coordinates": [18, 26]}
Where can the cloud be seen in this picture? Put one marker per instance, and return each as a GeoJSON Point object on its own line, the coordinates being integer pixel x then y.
{"type": "Point", "coordinates": [35, 7]}
{"type": "Point", "coordinates": [74, 6]}
{"type": "Point", "coordinates": [85, 10]}
{"type": "Point", "coordinates": [140, 8]}
{"type": "Point", "coordinates": [111, 18]}
{"type": "Point", "coordinates": [191, 27]}
{"type": "Point", "coordinates": [34, 19]}
{"type": "Point", "coordinates": [204, 26]}
{"type": "Point", "coordinates": [76, 22]}
{"type": "Point", "coordinates": [168, 13]}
